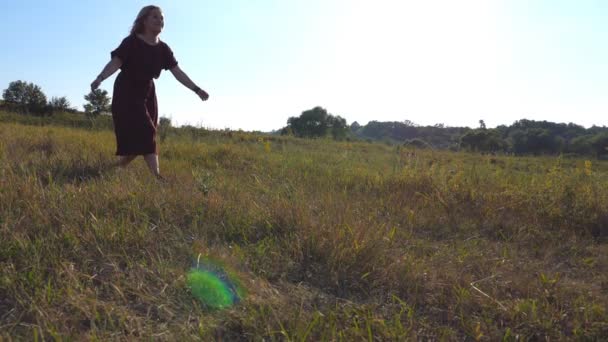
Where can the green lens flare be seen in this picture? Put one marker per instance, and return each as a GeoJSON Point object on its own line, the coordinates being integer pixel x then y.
{"type": "Point", "coordinates": [210, 289]}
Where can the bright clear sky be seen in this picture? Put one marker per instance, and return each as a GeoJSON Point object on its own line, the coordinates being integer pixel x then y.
{"type": "Point", "coordinates": [428, 61]}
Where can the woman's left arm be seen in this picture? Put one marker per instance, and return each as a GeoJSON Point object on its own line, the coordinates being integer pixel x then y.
{"type": "Point", "coordinates": [181, 76]}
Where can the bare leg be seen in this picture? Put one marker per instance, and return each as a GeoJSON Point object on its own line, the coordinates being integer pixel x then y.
{"type": "Point", "coordinates": [152, 161]}
{"type": "Point", "coordinates": [123, 161]}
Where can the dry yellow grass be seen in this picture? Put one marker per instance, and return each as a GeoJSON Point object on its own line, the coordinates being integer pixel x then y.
{"type": "Point", "coordinates": [333, 240]}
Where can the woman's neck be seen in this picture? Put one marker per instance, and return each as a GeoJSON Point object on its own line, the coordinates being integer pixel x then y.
{"type": "Point", "coordinates": [150, 37]}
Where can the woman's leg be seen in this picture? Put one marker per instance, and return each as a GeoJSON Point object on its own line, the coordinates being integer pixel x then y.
{"type": "Point", "coordinates": [123, 161]}
{"type": "Point", "coordinates": [152, 161]}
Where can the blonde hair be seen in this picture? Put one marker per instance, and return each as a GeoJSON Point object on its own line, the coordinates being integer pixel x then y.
{"type": "Point", "coordinates": [138, 24]}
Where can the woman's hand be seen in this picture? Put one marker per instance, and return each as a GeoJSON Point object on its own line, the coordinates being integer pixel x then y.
{"type": "Point", "coordinates": [202, 94]}
{"type": "Point", "coordinates": [96, 83]}
{"type": "Point", "coordinates": [114, 64]}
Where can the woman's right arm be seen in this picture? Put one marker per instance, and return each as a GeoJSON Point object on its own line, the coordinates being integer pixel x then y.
{"type": "Point", "coordinates": [107, 71]}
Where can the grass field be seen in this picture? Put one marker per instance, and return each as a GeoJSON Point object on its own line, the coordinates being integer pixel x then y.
{"type": "Point", "coordinates": [331, 240]}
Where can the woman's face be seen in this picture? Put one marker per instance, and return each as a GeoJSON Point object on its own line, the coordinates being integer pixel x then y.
{"type": "Point", "coordinates": [154, 22]}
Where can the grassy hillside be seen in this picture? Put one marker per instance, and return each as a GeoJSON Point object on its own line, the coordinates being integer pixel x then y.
{"type": "Point", "coordinates": [332, 240]}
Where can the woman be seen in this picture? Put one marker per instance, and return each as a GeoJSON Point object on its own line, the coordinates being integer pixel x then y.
{"type": "Point", "coordinates": [141, 57]}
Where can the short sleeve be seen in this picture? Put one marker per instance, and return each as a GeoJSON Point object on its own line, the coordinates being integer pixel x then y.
{"type": "Point", "coordinates": [123, 50]}
{"type": "Point", "coordinates": [169, 61]}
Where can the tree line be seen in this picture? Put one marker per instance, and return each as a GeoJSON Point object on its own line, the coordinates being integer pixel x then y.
{"type": "Point", "coordinates": [522, 137]}
{"type": "Point", "coordinates": [539, 137]}
{"type": "Point", "coordinates": [28, 98]}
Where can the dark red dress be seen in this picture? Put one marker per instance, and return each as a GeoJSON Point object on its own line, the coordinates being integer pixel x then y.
{"type": "Point", "coordinates": [134, 105]}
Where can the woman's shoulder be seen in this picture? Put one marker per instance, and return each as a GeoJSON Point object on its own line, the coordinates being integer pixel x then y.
{"type": "Point", "coordinates": [162, 43]}
{"type": "Point", "coordinates": [128, 39]}
{"type": "Point", "coordinates": [163, 46]}
{"type": "Point", "coordinates": [124, 49]}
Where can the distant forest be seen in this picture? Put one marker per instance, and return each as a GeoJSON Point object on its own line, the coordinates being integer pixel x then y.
{"type": "Point", "coordinates": [522, 137]}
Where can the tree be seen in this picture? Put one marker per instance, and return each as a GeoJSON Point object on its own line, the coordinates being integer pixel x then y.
{"type": "Point", "coordinates": [286, 131]}
{"type": "Point", "coordinates": [535, 140]}
{"type": "Point", "coordinates": [311, 123]}
{"type": "Point", "coordinates": [409, 123]}
{"type": "Point", "coordinates": [25, 97]}
{"type": "Point", "coordinates": [60, 104]}
{"type": "Point", "coordinates": [316, 122]}
{"type": "Point", "coordinates": [392, 130]}
{"type": "Point", "coordinates": [583, 145]}
{"type": "Point", "coordinates": [165, 122]}
{"type": "Point", "coordinates": [600, 144]}
{"type": "Point", "coordinates": [16, 92]}
{"type": "Point", "coordinates": [482, 124]}
{"type": "Point", "coordinates": [416, 143]}
{"type": "Point", "coordinates": [99, 102]}
{"type": "Point", "coordinates": [339, 129]}
{"type": "Point", "coordinates": [483, 140]}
